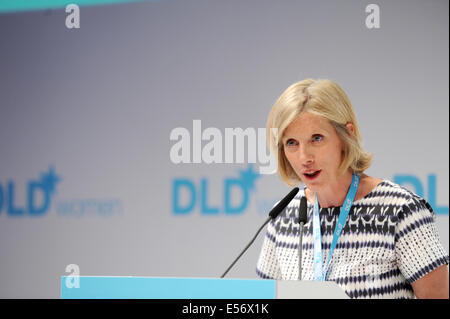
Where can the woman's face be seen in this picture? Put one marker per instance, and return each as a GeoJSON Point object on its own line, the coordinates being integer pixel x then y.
{"type": "Point", "coordinates": [314, 150]}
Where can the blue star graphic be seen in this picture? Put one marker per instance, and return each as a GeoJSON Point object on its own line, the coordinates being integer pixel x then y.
{"type": "Point", "coordinates": [49, 180]}
{"type": "Point", "coordinates": [248, 177]}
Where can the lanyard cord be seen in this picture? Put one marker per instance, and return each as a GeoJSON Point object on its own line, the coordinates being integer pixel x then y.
{"type": "Point", "coordinates": [320, 272]}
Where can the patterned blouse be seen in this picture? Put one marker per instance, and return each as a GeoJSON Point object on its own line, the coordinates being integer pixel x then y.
{"type": "Point", "coordinates": [389, 241]}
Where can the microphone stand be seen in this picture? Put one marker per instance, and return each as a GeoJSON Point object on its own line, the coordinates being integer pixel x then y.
{"type": "Point", "coordinates": [300, 235]}
{"type": "Point", "coordinates": [272, 215]}
{"type": "Point", "coordinates": [302, 218]}
{"type": "Point", "coordinates": [245, 249]}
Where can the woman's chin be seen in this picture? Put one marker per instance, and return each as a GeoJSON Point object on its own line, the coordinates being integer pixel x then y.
{"type": "Point", "coordinates": [314, 186]}
{"type": "Point", "coordinates": [310, 187]}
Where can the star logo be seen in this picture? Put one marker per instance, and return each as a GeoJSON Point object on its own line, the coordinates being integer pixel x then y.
{"type": "Point", "coordinates": [248, 177]}
{"type": "Point", "coordinates": [49, 180]}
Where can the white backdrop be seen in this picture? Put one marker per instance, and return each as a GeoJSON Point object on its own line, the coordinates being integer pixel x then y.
{"type": "Point", "coordinates": [86, 115]}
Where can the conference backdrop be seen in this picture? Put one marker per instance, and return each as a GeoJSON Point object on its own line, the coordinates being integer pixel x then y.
{"type": "Point", "coordinates": [132, 138]}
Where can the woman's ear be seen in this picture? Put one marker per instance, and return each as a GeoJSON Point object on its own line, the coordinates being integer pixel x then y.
{"type": "Point", "coordinates": [350, 127]}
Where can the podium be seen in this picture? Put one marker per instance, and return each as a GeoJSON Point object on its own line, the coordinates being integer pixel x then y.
{"type": "Point", "coordinates": [108, 287]}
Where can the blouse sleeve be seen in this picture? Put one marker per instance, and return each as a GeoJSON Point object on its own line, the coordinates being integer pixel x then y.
{"type": "Point", "coordinates": [267, 266]}
{"type": "Point", "coordinates": [417, 245]}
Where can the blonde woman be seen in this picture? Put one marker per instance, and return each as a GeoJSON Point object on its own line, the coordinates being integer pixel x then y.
{"type": "Point", "coordinates": [383, 243]}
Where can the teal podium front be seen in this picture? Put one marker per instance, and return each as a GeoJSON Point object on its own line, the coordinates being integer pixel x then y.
{"type": "Point", "coordinates": [108, 287]}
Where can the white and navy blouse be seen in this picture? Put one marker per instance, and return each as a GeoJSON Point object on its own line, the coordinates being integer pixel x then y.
{"type": "Point", "coordinates": [389, 241]}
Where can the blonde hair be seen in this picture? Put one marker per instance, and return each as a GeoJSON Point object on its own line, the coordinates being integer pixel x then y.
{"type": "Point", "coordinates": [324, 98]}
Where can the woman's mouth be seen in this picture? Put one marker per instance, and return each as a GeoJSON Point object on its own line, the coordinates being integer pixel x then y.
{"type": "Point", "coordinates": [311, 175]}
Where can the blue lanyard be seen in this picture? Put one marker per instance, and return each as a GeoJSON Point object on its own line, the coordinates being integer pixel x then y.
{"type": "Point", "coordinates": [320, 272]}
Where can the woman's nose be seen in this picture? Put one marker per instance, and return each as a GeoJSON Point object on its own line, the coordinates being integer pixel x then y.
{"type": "Point", "coordinates": [305, 156]}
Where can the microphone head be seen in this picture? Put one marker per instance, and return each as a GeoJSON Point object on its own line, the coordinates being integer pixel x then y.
{"type": "Point", "coordinates": [303, 211]}
{"type": "Point", "coordinates": [283, 203]}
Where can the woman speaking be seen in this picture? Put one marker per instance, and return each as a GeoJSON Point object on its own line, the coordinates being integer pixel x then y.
{"type": "Point", "coordinates": [372, 237]}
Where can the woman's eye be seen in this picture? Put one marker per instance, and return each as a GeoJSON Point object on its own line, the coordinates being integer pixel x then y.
{"type": "Point", "coordinates": [290, 142]}
{"type": "Point", "coordinates": [317, 138]}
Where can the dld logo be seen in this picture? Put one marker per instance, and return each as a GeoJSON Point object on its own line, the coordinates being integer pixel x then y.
{"type": "Point", "coordinates": [42, 188]}
{"type": "Point", "coordinates": [197, 195]}
{"type": "Point", "coordinates": [418, 188]}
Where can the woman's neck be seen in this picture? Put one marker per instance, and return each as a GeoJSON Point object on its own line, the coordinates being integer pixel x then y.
{"type": "Point", "coordinates": [333, 195]}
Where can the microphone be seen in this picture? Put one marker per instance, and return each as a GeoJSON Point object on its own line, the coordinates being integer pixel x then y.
{"type": "Point", "coordinates": [272, 215]}
{"type": "Point", "coordinates": [302, 218]}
